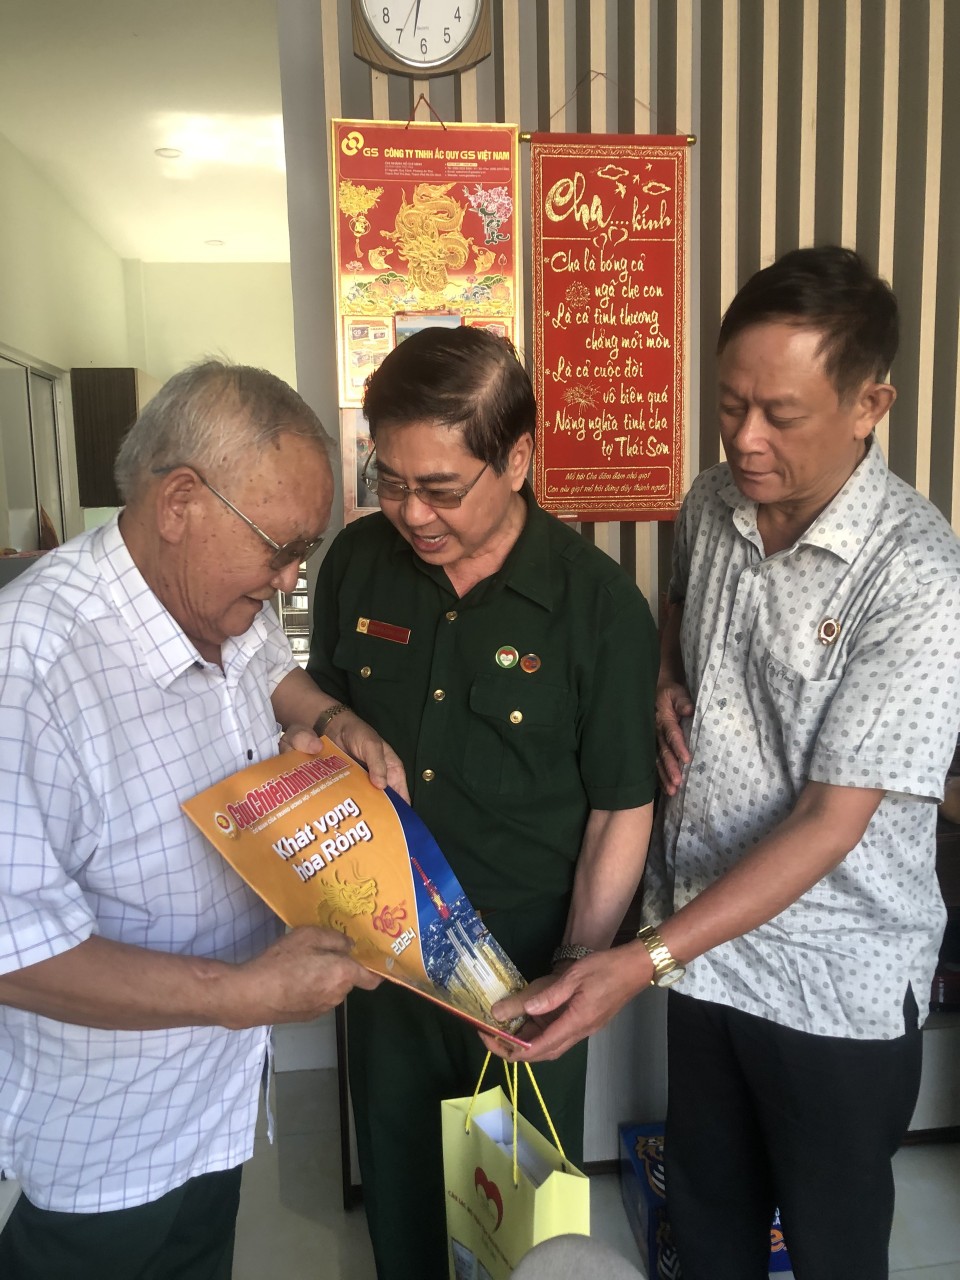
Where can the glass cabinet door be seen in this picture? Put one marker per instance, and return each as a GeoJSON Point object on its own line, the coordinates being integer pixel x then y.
{"type": "Point", "coordinates": [19, 515]}
{"type": "Point", "coordinates": [31, 499]}
{"type": "Point", "coordinates": [43, 422]}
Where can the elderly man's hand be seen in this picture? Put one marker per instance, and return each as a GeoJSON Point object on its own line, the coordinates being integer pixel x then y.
{"type": "Point", "coordinates": [575, 1003]}
{"type": "Point", "coordinates": [303, 975]}
{"type": "Point", "coordinates": [672, 705]}
{"type": "Point", "coordinates": [361, 741]}
{"type": "Point", "coordinates": [517, 1006]}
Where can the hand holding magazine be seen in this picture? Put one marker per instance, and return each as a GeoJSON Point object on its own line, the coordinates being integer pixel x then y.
{"type": "Point", "coordinates": [322, 845]}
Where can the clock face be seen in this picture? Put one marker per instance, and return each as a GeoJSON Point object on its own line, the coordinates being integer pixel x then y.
{"type": "Point", "coordinates": [422, 33]}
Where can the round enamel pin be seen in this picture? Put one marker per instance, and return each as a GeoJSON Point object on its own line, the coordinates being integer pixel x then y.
{"type": "Point", "coordinates": [507, 656]}
{"type": "Point", "coordinates": [530, 663]}
{"type": "Point", "coordinates": [828, 631]}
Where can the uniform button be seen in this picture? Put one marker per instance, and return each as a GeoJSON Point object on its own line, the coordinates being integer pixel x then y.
{"type": "Point", "coordinates": [438, 695]}
{"type": "Point", "coordinates": [516, 717]}
{"type": "Point", "coordinates": [451, 615]}
{"type": "Point", "coordinates": [366, 672]}
{"type": "Point", "coordinates": [428, 775]}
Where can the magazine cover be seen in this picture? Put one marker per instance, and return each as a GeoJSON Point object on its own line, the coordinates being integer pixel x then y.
{"type": "Point", "coordinates": [322, 845]}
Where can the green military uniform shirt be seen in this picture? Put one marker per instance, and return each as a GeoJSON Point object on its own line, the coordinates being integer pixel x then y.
{"type": "Point", "coordinates": [505, 757]}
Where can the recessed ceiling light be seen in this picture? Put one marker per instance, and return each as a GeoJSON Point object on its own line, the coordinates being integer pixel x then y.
{"type": "Point", "coordinates": [168, 153]}
{"type": "Point", "coordinates": [216, 243]}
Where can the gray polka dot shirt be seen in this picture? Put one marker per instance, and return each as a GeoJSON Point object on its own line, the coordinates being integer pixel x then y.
{"type": "Point", "coordinates": [838, 661]}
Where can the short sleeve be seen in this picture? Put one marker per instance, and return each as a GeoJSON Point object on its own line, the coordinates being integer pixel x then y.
{"type": "Point", "coordinates": [277, 656]}
{"type": "Point", "coordinates": [45, 810]}
{"type": "Point", "coordinates": [892, 723]}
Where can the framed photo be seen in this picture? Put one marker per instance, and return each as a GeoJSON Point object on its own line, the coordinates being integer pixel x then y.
{"type": "Point", "coordinates": [366, 340]}
{"type": "Point", "coordinates": [356, 447]}
{"type": "Point", "coordinates": [406, 323]}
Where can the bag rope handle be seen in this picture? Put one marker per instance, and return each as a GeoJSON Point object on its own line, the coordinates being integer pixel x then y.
{"type": "Point", "coordinates": [513, 1094]}
{"type": "Point", "coordinates": [476, 1092]}
{"type": "Point", "coordinates": [516, 1112]}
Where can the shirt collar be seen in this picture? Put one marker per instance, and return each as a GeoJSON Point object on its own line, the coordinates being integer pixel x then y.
{"type": "Point", "coordinates": [167, 650]}
{"type": "Point", "coordinates": [527, 568]}
{"type": "Point", "coordinates": [843, 525]}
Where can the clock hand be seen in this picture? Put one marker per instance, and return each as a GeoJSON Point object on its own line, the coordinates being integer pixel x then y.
{"type": "Point", "coordinates": [417, 18]}
{"type": "Point", "coordinates": [416, 4]}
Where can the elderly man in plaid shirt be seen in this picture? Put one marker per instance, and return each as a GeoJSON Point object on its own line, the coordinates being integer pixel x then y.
{"type": "Point", "coordinates": [139, 664]}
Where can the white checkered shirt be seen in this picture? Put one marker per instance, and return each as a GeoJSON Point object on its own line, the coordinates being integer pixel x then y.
{"type": "Point", "coordinates": [108, 720]}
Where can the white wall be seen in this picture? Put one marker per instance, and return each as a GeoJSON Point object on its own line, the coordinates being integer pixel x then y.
{"type": "Point", "coordinates": [61, 287]}
{"type": "Point", "coordinates": [66, 299]}
{"type": "Point", "coordinates": [186, 311]}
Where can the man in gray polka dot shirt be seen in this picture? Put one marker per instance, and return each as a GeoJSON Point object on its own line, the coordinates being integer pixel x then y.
{"type": "Point", "coordinates": [807, 711]}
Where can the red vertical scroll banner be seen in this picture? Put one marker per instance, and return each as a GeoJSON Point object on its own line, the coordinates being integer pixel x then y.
{"type": "Point", "coordinates": [608, 301]}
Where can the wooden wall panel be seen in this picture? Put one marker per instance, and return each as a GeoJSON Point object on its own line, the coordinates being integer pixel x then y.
{"type": "Point", "coordinates": [931, 239]}
{"type": "Point", "coordinates": [807, 178]}
{"type": "Point", "coordinates": [851, 124]}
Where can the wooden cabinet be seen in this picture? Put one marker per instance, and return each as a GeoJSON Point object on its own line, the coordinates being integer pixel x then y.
{"type": "Point", "coordinates": [106, 403]}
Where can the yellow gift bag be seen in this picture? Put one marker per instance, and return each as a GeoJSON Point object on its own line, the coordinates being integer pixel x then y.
{"type": "Point", "coordinates": [507, 1187]}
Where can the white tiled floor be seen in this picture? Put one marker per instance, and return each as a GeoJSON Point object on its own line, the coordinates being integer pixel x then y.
{"type": "Point", "coordinates": [292, 1223]}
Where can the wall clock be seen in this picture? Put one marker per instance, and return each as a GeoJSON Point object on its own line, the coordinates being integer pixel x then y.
{"type": "Point", "coordinates": [421, 37]}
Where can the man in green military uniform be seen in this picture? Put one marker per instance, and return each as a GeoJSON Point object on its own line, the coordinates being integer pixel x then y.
{"type": "Point", "coordinates": [512, 666]}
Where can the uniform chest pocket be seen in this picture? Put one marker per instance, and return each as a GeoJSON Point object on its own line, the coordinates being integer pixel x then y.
{"type": "Point", "coordinates": [519, 730]}
{"type": "Point", "coordinates": [370, 659]}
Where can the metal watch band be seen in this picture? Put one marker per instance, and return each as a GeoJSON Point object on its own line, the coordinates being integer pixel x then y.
{"type": "Point", "coordinates": [570, 951]}
{"type": "Point", "coordinates": [325, 716]}
{"type": "Point", "coordinates": [663, 962]}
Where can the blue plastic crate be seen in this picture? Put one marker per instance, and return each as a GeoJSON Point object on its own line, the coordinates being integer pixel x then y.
{"type": "Point", "coordinates": [644, 1199]}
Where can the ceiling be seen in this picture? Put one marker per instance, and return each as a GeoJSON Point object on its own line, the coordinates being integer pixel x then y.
{"type": "Point", "coordinates": [89, 89]}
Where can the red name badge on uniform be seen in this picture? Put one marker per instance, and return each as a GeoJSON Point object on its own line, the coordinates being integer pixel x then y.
{"type": "Point", "coordinates": [383, 630]}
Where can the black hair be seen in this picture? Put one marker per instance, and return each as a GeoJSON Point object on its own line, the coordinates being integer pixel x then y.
{"type": "Point", "coordinates": [462, 377]}
{"type": "Point", "coordinates": [833, 291]}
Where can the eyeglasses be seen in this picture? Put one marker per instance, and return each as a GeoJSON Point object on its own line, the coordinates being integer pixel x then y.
{"type": "Point", "coordinates": [397, 491]}
{"type": "Point", "coordinates": [289, 553]}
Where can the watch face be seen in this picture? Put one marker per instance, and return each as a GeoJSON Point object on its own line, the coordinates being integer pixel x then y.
{"type": "Point", "coordinates": [422, 33]}
{"type": "Point", "coordinates": [670, 977]}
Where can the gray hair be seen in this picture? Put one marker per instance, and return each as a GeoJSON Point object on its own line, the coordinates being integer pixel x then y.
{"type": "Point", "coordinates": [207, 415]}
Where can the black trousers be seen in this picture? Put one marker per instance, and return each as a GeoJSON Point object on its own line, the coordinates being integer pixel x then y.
{"type": "Point", "coordinates": [185, 1235]}
{"type": "Point", "coordinates": [760, 1115]}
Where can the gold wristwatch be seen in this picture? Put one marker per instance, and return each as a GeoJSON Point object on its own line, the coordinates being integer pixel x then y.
{"type": "Point", "coordinates": [666, 970]}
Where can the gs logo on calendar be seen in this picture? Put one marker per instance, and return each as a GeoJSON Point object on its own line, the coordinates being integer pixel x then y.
{"type": "Point", "coordinates": [352, 143]}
